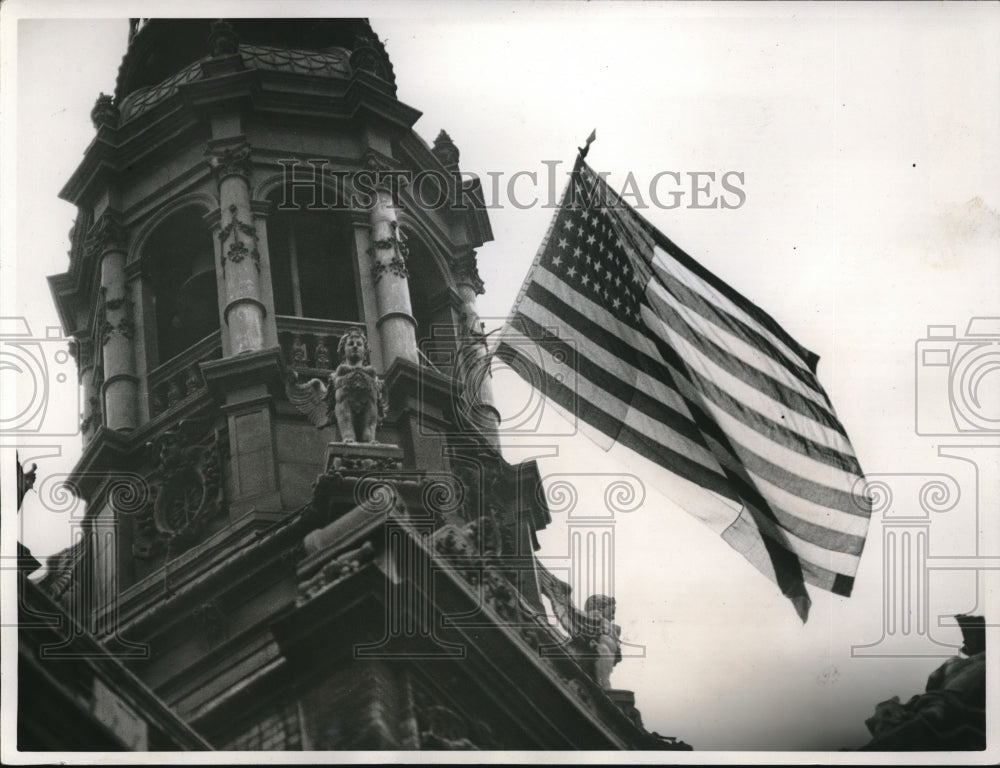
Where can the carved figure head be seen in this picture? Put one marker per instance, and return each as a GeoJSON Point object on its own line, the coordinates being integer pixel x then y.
{"type": "Point", "coordinates": [601, 604]}
{"type": "Point", "coordinates": [353, 347]}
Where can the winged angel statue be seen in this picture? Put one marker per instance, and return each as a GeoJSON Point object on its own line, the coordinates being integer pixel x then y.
{"type": "Point", "coordinates": [593, 632]}
{"type": "Point", "coordinates": [353, 399]}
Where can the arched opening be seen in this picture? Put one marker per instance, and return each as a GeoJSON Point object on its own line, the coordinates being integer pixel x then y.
{"type": "Point", "coordinates": [430, 299]}
{"type": "Point", "coordinates": [181, 260]}
{"type": "Point", "coordinates": [312, 265]}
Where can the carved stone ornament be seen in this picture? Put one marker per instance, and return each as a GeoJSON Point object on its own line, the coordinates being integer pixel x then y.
{"type": "Point", "coordinates": [61, 572]}
{"type": "Point", "coordinates": [213, 622]}
{"type": "Point", "coordinates": [123, 326]}
{"type": "Point", "coordinates": [366, 57]}
{"type": "Point", "coordinates": [334, 570]}
{"type": "Point", "coordinates": [446, 728]}
{"type": "Point", "coordinates": [106, 235]}
{"type": "Point", "coordinates": [322, 354]}
{"type": "Point", "coordinates": [105, 112]}
{"type": "Point", "coordinates": [466, 270]}
{"type": "Point", "coordinates": [186, 492]}
{"type": "Point", "coordinates": [238, 249]}
{"type": "Point", "coordinates": [222, 38]}
{"type": "Point", "coordinates": [595, 640]}
{"type": "Point", "coordinates": [445, 150]}
{"type": "Point", "coordinates": [395, 263]}
{"type": "Point", "coordinates": [353, 398]}
{"type": "Point", "coordinates": [231, 161]}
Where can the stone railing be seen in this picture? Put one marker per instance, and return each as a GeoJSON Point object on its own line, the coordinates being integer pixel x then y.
{"type": "Point", "coordinates": [179, 378]}
{"type": "Point", "coordinates": [309, 346]}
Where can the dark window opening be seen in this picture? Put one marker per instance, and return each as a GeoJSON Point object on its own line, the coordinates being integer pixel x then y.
{"type": "Point", "coordinates": [312, 265]}
{"type": "Point", "coordinates": [428, 299]}
{"type": "Point", "coordinates": [182, 269]}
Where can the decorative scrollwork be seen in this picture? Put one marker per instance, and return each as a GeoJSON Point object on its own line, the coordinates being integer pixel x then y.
{"type": "Point", "coordinates": [185, 493]}
{"type": "Point", "coordinates": [625, 494]}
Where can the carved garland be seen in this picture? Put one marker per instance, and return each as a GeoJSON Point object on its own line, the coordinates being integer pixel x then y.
{"type": "Point", "coordinates": [125, 327]}
{"type": "Point", "coordinates": [238, 250]}
{"type": "Point", "coordinates": [396, 263]}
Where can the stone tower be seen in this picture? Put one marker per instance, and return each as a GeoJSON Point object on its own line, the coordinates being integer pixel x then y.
{"type": "Point", "coordinates": [242, 209]}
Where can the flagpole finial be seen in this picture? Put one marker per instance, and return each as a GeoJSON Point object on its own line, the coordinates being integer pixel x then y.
{"type": "Point", "coordinates": [586, 147]}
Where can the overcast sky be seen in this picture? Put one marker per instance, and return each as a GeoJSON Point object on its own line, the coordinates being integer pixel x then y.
{"type": "Point", "coordinates": [866, 136]}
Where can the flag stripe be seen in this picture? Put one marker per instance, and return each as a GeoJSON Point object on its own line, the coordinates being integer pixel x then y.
{"type": "Point", "coordinates": [738, 339]}
{"type": "Point", "coordinates": [789, 354]}
{"type": "Point", "coordinates": [766, 427]}
{"type": "Point", "coordinates": [600, 377]}
{"type": "Point", "coordinates": [774, 401]}
{"type": "Point", "coordinates": [660, 243]}
{"type": "Point", "coordinates": [680, 435]}
{"type": "Point", "coordinates": [626, 435]}
{"type": "Point", "coordinates": [610, 353]}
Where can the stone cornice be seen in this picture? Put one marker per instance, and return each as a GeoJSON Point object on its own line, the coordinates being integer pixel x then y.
{"type": "Point", "coordinates": [500, 654]}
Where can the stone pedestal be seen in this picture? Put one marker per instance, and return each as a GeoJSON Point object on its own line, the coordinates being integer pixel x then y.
{"type": "Point", "coordinates": [361, 458]}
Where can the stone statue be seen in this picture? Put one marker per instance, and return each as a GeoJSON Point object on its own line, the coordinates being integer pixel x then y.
{"type": "Point", "coordinates": [353, 399]}
{"type": "Point", "coordinates": [594, 636]}
{"type": "Point", "coordinates": [606, 639]}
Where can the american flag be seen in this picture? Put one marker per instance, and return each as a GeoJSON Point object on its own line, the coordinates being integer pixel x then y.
{"type": "Point", "coordinates": [631, 336]}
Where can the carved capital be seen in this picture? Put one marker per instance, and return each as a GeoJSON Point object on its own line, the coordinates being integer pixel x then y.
{"type": "Point", "coordinates": [466, 272]}
{"type": "Point", "coordinates": [231, 161]}
{"type": "Point", "coordinates": [107, 234]}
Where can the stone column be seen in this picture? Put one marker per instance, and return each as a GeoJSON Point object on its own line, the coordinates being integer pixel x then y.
{"type": "Point", "coordinates": [473, 362]}
{"type": "Point", "coordinates": [116, 334]}
{"type": "Point", "coordinates": [89, 396]}
{"type": "Point", "coordinates": [396, 326]}
{"type": "Point", "coordinates": [239, 253]}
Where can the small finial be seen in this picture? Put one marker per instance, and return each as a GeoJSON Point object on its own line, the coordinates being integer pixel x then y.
{"type": "Point", "coordinates": [104, 112]}
{"type": "Point", "coordinates": [446, 151]}
{"type": "Point", "coordinates": [222, 38]}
